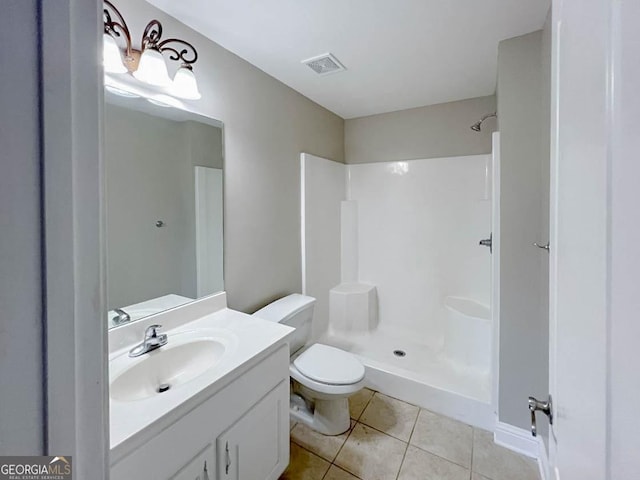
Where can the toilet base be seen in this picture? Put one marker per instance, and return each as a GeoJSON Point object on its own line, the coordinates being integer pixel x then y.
{"type": "Point", "coordinates": [329, 417]}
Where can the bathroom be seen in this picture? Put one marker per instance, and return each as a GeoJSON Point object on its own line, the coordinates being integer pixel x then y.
{"type": "Point", "coordinates": [278, 240]}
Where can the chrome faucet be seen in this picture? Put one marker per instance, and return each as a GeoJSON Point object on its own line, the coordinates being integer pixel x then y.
{"type": "Point", "coordinates": [151, 341]}
{"type": "Point", "coordinates": [121, 316]}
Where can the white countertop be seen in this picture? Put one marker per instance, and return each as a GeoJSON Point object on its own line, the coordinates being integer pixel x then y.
{"type": "Point", "coordinates": [248, 337]}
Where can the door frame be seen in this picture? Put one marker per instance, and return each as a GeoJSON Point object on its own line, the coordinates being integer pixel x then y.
{"type": "Point", "coordinates": [495, 273]}
{"type": "Point", "coordinates": [71, 80]}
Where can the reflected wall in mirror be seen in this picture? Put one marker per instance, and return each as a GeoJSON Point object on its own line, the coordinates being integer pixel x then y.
{"type": "Point", "coordinates": [164, 211]}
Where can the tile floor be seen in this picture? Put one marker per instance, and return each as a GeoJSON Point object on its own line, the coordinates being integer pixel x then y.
{"type": "Point", "coordinates": [393, 440]}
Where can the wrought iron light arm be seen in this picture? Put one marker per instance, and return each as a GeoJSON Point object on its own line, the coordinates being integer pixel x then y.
{"type": "Point", "coordinates": [186, 54]}
{"type": "Point", "coordinates": [116, 28]}
{"type": "Point", "coordinates": [180, 50]}
{"type": "Point", "coordinates": [149, 64]}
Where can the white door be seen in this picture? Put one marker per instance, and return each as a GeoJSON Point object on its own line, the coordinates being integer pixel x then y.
{"type": "Point", "coordinates": [578, 237]}
{"type": "Point", "coordinates": [209, 234]}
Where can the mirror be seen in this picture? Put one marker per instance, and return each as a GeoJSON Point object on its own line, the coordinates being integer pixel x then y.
{"type": "Point", "coordinates": [164, 211]}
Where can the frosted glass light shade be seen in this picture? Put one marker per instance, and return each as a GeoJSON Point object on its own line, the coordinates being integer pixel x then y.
{"type": "Point", "coordinates": [185, 84]}
{"type": "Point", "coordinates": [152, 69]}
{"type": "Point", "coordinates": [111, 57]}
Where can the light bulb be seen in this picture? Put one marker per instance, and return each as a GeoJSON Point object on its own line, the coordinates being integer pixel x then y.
{"type": "Point", "coordinates": [111, 56]}
{"type": "Point", "coordinates": [185, 84]}
{"type": "Point", "coordinates": [152, 68]}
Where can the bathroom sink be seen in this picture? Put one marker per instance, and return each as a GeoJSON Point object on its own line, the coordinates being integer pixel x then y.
{"type": "Point", "coordinates": [184, 358]}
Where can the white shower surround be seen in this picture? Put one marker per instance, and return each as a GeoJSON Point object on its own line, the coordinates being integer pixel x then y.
{"type": "Point", "coordinates": [419, 223]}
{"type": "Point", "coordinates": [418, 227]}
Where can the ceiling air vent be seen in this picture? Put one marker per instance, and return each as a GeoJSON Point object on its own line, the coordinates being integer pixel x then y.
{"type": "Point", "coordinates": [324, 64]}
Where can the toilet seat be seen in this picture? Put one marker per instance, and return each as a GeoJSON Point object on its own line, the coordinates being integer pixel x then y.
{"type": "Point", "coordinates": [329, 365]}
{"type": "Point", "coordinates": [328, 370]}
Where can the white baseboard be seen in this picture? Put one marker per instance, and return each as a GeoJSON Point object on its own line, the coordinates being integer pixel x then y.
{"type": "Point", "coordinates": [521, 441]}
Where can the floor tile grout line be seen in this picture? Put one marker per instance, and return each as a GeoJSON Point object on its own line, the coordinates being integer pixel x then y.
{"type": "Point", "coordinates": [473, 442]}
{"type": "Point", "coordinates": [345, 470]}
{"type": "Point", "coordinates": [314, 454]}
{"type": "Point", "coordinates": [407, 447]}
{"type": "Point", "coordinates": [406, 442]}
{"type": "Point", "coordinates": [327, 472]}
{"type": "Point", "coordinates": [384, 433]}
{"type": "Point", "coordinates": [348, 432]}
{"type": "Point", "coordinates": [441, 457]}
{"type": "Point", "coordinates": [438, 455]}
{"type": "Point", "coordinates": [311, 452]}
{"type": "Point", "coordinates": [402, 462]}
{"type": "Point", "coordinates": [332, 462]}
{"type": "Point", "coordinates": [345, 442]}
{"type": "Point", "coordinates": [366, 404]}
{"type": "Point", "coordinates": [413, 428]}
{"type": "Point", "coordinates": [305, 448]}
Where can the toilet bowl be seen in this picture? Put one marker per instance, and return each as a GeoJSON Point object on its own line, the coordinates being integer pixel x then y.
{"type": "Point", "coordinates": [322, 377]}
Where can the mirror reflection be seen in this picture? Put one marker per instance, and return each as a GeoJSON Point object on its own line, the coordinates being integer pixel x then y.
{"type": "Point", "coordinates": [164, 210]}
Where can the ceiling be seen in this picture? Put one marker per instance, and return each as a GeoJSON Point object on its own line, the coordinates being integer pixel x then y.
{"type": "Point", "coordinates": [398, 53]}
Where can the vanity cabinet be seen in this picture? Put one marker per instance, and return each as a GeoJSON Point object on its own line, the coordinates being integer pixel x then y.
{"type": "Point", "coordinates": [239, 432]}
{"type": "Point", "coordinates": [200, 467]}
{"type": "Point", "coordinates": [247, 450]}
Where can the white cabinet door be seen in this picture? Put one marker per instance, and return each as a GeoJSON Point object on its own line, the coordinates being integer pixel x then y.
{"type": "Point", "coordinates": [202, 467]}
{"type": "Point", "coordinates": [256, 447]}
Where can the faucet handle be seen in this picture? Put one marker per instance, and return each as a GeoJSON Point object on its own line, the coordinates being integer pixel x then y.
{"type": "Point", "coordinates": [121, 316]}
{"type": "Point", "coordinates": [152, 331]}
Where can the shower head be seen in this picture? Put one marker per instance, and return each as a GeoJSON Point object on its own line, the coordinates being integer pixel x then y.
{"type": "Point", "coordinates": [477, 127]}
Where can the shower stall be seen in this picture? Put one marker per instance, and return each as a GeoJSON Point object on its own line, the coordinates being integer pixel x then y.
{"type": "Point", "coordinates": [392, 252]}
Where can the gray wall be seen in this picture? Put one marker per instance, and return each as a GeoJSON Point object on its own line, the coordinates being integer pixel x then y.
{"type": "Point", "coordinates": [426, 132]}
{"type": "Point", "coordinates": [267, 126]}
{"type": "Point", "coordinates": [21, 411]}
{"type": "Point", "coordinates": [523, 115]}
{"type": "Point", "coordinates": [149, 176]}
{"type": "Point", "coordinates": [205, 144]}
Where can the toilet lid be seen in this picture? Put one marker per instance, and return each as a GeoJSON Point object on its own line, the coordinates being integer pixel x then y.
{"type": "Point", "coordinates": [330, 365]}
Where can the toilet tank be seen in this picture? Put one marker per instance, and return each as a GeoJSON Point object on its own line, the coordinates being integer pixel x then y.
{"type": "Point", "coordinates": [294, 310]}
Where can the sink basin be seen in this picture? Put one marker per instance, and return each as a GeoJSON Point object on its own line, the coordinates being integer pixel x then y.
{"type": "Point", "coordinates": [187, 356]}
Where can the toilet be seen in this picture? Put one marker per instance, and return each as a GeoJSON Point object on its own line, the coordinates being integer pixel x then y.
{"type": "Point", "coordinates": [323, 377]}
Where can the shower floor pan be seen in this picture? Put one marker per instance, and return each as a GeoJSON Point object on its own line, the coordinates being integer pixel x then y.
{"type": "Point", "coordinates": [422, 376]}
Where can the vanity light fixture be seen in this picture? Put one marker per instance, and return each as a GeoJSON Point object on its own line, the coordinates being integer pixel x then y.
{"type": "Point", "coordinates": [149, 65]}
